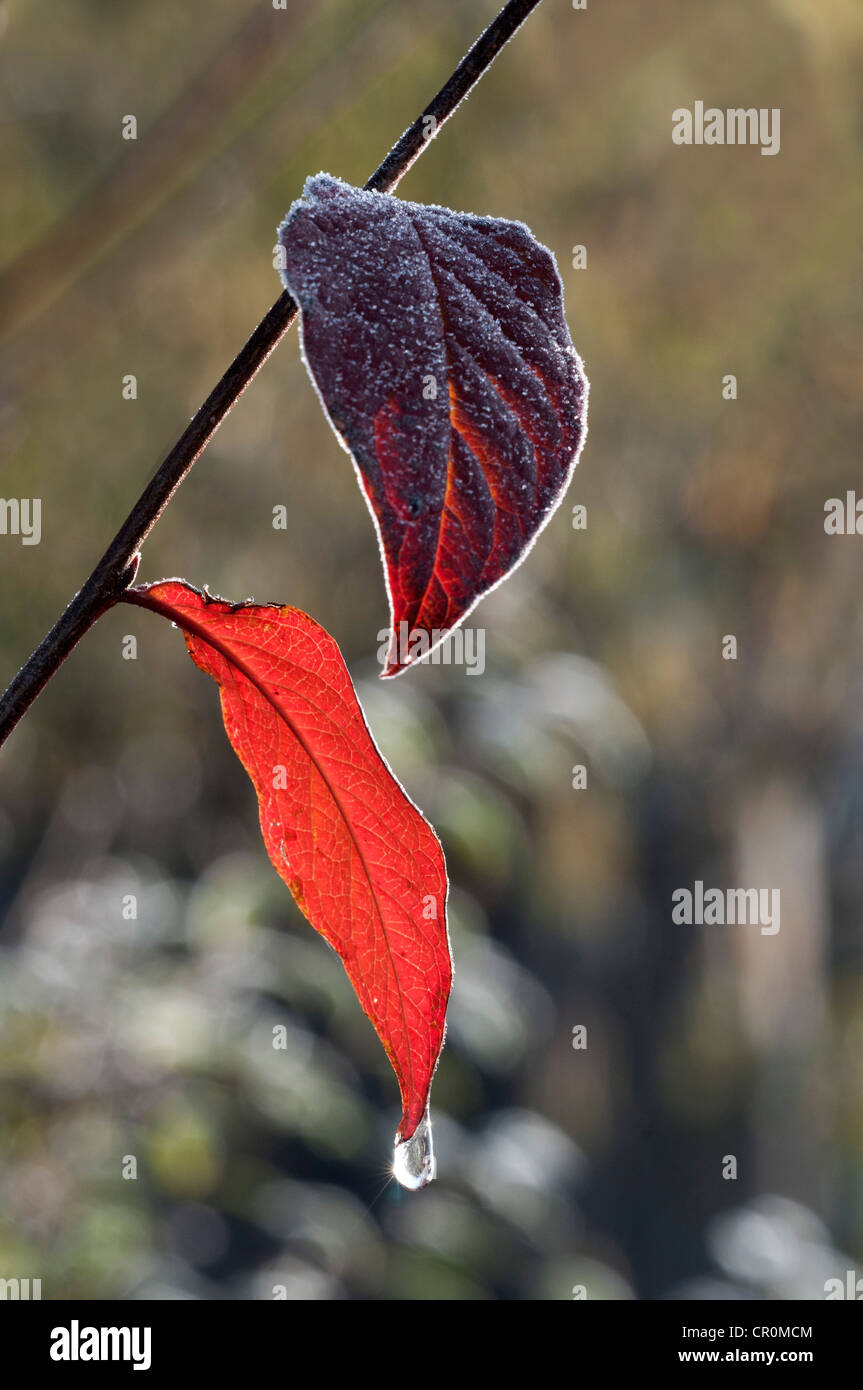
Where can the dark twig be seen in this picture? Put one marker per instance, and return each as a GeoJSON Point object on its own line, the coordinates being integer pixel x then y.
{"type": "Point", "coordinates": [116, 570]}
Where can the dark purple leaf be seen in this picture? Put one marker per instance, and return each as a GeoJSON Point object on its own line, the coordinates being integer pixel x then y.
{"type": "Point", "coordinates": [438, 344]}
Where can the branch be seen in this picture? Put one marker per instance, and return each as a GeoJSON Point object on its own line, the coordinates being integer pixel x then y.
{"type": "Point", "coordinates": [116, 570]}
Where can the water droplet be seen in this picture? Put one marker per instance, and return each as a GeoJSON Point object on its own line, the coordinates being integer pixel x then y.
{"type": "Point", "coordinates": [413, 1159]}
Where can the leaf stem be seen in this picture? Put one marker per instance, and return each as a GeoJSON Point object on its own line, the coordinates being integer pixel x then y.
{"type": "Point", "coordinates": [117, 567]}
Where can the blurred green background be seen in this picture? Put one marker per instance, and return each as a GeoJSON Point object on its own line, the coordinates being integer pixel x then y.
{"type": "Point", "coordinates": [151, 1038]}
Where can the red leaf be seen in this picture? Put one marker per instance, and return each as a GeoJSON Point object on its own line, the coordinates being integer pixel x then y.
{"type": "Point", "coordinates": [363, 865]}
{"type": "Point", "coordinates": [439, 347]}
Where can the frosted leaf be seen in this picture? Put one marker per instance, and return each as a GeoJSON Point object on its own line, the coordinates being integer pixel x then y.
{"type": "Point", "coordinates": [439, 348]}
